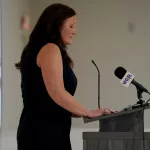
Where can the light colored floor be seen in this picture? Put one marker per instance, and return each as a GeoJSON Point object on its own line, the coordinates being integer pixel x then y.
{"type": "Point", "coordinates": [8, 139]}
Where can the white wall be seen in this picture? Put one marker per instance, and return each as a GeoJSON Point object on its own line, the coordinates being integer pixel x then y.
{"type": "Point", "coordinates": [12, 46]}
{"type": "Point", "coordinates": [103, 35]}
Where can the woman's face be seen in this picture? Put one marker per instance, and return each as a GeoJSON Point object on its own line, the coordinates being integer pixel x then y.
{"type": "Point", "coordinates": [68, 30]}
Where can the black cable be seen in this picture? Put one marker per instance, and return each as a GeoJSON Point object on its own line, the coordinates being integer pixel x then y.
{"type": "Point", "coordinates": [148, 99]}
{"type": "Point", "coordinates": [147, 102]}
{"type": "Point", "coordinates": [143, 127]}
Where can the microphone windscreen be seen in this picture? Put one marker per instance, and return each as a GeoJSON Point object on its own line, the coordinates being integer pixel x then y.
{"type": "Point", "coordinates": [120, 72]}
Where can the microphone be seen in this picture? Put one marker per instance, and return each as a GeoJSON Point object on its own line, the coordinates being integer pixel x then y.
{"type": "Point", "coordinates": [98, 83]}
{"type": "Point", "coordinates": [127, 78]}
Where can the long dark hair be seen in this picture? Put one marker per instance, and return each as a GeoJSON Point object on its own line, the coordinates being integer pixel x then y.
{"type": "Point", "coordinates": [47, 30]}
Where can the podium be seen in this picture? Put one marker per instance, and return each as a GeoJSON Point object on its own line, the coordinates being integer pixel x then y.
{"type": "Point", "coordinates": [119, 131]}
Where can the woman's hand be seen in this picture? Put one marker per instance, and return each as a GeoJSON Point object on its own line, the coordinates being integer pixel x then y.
{"type": "Point", "coordinates": [99, 112]}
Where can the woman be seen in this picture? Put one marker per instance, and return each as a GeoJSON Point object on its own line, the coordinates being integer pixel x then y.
{"type": "Point", "coordinates": [48, 83]}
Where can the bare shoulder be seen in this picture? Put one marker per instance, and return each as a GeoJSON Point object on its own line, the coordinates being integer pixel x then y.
{"type": "Point", "coordinates": [50, 52]}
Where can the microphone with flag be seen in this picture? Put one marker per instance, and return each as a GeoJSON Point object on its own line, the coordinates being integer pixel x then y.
{"type": "Point", "coordinates": [127, 78]}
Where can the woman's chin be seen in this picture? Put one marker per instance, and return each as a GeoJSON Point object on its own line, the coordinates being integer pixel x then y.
{"type": "Point", "coordinates": [68, 42]}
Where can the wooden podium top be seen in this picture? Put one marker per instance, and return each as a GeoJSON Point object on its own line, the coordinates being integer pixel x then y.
{"type": "Point", "coordinates": [86, 120]}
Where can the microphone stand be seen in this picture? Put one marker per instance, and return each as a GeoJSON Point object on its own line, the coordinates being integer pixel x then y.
{"type": "Point", "coordinates": [98, 88]}
{"type": "Point", "coordinates": [141, 102]}
{"type": "Point", "coordinates": [139, 94]}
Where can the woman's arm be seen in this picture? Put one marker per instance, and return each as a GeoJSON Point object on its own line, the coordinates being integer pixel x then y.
{"type": "Point", "coordinates": [50, 61]}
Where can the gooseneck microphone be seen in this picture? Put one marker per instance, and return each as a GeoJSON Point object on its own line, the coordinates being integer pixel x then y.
{"type": "Point", "coordinates": [127, 78]}
{"type": "Point", "coordinates": [98, 83]}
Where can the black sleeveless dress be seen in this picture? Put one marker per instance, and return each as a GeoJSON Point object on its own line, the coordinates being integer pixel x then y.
{"type": "Point", "coordinates": [43, 125]}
